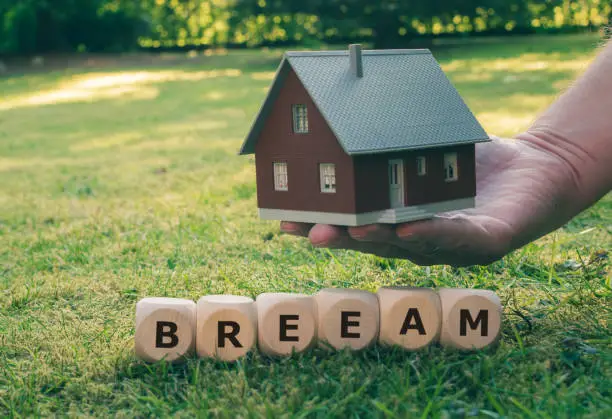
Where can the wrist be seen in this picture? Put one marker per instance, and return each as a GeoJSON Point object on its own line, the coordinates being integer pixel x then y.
{"type": "Point", "coordinates": [584, 176]}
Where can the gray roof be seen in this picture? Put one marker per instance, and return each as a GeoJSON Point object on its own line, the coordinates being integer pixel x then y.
{"type": "Point", "coordinates": [404, 101]}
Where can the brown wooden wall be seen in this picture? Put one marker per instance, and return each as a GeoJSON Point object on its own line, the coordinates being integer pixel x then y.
{"type": "Point", "coordinates": [432, 187]}
{"type": "Point", "coordinates": [372, 179]}
{"type": "Point", "coordinates": [303, 153]}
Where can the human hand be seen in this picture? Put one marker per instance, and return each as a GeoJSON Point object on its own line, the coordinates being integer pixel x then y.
{"type": "Point", "coordinates": [523, 192]}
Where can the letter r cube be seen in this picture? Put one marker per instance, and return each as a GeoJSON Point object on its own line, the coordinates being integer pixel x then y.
{"type": "Point", "coordinates": [226, 326]}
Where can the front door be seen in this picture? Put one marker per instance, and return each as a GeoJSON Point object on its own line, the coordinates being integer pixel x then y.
{"type": "Point", "coordinates": [396, 183]}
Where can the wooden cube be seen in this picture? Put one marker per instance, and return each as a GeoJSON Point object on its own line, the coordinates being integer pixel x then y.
{"type": "Point", "coordinates": [226, 326]}
{"type": "Point", "coordinates": [409, 317]}
{"type": "Point", "coordinates": [471, 319]}
{"type": "Point", "coordinates": [165, 328]}
{"type": "Point", "coordinates": [286, 322]}
{"type": "Point", "coordinates": [346, 318]}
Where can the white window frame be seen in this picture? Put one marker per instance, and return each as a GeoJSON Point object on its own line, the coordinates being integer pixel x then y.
{"type": "Point", "coordinates": [421, 165]}
{"type": "Point", "coordinates": [451, 169]}
{"type": "Point", "coordinates": [327, 175]}
{"type": "Point", "coordinates": [281, 179]}
{"type": "Point", "coordinates": [300, 118]}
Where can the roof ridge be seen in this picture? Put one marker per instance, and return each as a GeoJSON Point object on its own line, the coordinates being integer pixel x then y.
{"type": "Point", "coordinates": [337, 53]}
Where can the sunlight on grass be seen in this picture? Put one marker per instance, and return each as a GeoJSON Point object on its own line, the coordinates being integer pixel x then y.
{"type": "Point", "coordinates": [79, 94]}
{"type": "Point", "coordinates": [167, 136]}
{"type": "Point", "coordinates": [108, 141]}
{"type": "Point", "coordinates": [519, 64]}
{"type": "Point", "coordinates": [507, 94]}
{"type": "Point", "coordinates": [184, 143]}
{"type": "Point", "coordinates": [504, 123]}
{"type": "Point", "coordinates": [215, 95]}
{"type": "Point", "coordinates": [517, 114]}
{"type": "Point", "coordinates": [8, 164]}
{"type": "Point", "coordinates": [96, 86]}
{"type": "Point", "coordinates": [263, 75]}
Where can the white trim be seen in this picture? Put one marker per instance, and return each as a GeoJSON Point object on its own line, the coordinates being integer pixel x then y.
{"type": "Point", "coordinates": [327, 177]}
{"type": "Point", "coordinates": [389, 216]}
{"type": "Point", "coordinates": [421, 164]}
{"type": "Point", "coordinates": [450, 159]}
{"type": "Point", "coordinates": [281, 177]}
{"type": "Point", "coordinates": [300, 118]}
{"type": "Point", "coordinates": [396, 183]}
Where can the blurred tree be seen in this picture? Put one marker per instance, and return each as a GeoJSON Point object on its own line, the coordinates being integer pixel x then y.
{"type": "Point", "coordinates": [32, 26]}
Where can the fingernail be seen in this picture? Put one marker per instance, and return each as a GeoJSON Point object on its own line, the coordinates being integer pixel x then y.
{"type": "Point", "coordinates": [405, 235]}
{"type": "Point", "coordinates": [287, 228]}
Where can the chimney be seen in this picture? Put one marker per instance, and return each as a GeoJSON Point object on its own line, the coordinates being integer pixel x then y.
{"type": "Point", "coordinates": [356, 61]}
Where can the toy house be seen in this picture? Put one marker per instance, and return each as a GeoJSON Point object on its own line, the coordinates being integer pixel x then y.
{"type": "Point", "coordinates": [360, 137]}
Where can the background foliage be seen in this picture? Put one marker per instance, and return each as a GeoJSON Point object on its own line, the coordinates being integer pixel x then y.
{"type": "Point", "coordinates": [35, 26]}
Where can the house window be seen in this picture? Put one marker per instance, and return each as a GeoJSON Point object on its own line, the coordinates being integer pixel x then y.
{"type": "Point", "coordinates": [300, 119]}
{"type": "Point", "coordinates": [421, 166]}
{"type": "Point", "coordinates": [280, 177]}
{"type": "Point", "coordinates": [328, 177]}
{"type": "Point", "coordinates": [450, 167]}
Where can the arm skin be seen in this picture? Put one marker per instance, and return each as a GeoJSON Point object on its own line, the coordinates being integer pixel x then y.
{"type": "Point", "coordinates": [526, 187]}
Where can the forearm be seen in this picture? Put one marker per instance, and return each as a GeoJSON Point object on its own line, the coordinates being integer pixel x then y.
{"type": "Point", "coordinates": [578, 129]}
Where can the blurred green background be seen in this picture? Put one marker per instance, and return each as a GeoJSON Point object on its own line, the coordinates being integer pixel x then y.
{"type": "Point", "coordinates": [37, 26]}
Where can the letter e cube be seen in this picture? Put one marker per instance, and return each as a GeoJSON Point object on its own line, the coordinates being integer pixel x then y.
{"type": "Point", "coordinates": [347, 318]}
{"type": "Point", "coordinates": [286, 322]}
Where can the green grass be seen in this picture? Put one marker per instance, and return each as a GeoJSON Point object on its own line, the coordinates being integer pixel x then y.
{"type": "Point", "coordinates": [123, 182]}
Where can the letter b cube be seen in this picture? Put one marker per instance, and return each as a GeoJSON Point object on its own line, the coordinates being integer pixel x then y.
{"type": "Point", "coordinates": [165, 328]}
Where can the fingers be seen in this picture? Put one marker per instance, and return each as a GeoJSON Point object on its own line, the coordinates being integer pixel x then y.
{"type": "Point", "coordinates": [336, 237]}
{"type": "Point", "coordinates": [296, 229]}
{"type": "Point", "coordinates": [374, 233]}
{"type": "Point", "coordinates": [456, 239]}
{"type": "Point", "coordinates": [322, 235]}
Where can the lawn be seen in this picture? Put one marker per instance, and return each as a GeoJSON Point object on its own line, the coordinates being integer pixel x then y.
{"type": "Point", "coordinates": [121, 180]}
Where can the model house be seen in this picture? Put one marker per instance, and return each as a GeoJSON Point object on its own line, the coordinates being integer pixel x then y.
{"type": "Point", "coordinates": [360, 137]}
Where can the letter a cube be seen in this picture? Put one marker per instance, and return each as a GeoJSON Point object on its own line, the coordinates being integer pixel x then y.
{"type": "Point", "coordinates": [346, 318]}
{"type": "Point", "coordinates": [409, 317]}
{"type": "Point", "coordinates": [226, 326]}
{"type": "Point", "coordinates": [471, 319]}
{"type": "Point", "coordinates": [165, 328]}
{"type": "Point", "coordinates": [286, 322]}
